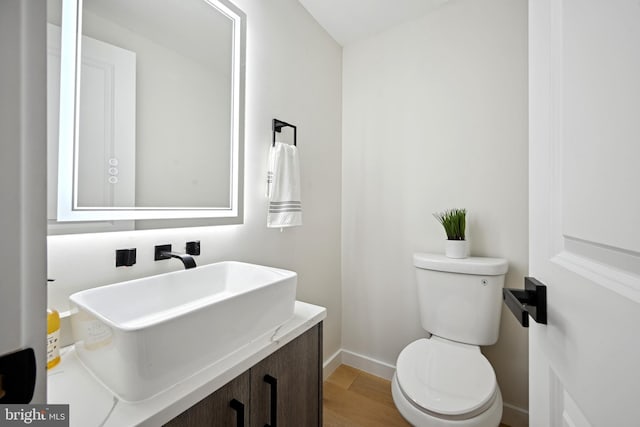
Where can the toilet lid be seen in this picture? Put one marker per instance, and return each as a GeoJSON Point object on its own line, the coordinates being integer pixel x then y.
{"type": "Point", "coordinates": [445, 377]}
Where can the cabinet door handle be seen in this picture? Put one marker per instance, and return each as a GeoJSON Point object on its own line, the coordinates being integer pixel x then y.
{"type": "Point", "coordinates": [274, 400]}
{"type": "Point", "coordinates": [238, 406]}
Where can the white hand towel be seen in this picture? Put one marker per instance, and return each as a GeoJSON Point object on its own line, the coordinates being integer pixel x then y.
{"type": "Point", "coordinates": [283, 186]}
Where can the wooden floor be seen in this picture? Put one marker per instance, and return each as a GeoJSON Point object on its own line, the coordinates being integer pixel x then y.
{"type": "Point", "coordinates": [353, 398]}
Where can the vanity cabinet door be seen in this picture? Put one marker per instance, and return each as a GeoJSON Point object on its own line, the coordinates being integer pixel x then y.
{"type": "Point", "coordinates": [286, 387]}
{"type": "Point", "coordinates": [227, 407]}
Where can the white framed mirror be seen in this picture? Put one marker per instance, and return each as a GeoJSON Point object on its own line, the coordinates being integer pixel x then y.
{"type": "Point", "coordinates": [150, 110]}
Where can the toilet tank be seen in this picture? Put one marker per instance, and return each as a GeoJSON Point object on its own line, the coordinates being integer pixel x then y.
{"type": "Point", "coordinates": [460, 299]}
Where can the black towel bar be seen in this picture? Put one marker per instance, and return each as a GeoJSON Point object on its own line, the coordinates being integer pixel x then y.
{"type": "Point", "coordinates": [277, 126]}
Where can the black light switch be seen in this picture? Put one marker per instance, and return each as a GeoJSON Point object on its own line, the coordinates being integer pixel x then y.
{"type": "Point", "coordinates": [125, 257]}
{"type": "Point", "coordinates": [193, 248]}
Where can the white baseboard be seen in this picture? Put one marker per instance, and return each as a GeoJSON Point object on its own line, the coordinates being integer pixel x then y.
{"type": "Point", "coordinates": [331, 364]}
{"type": "Point", "coordinates": [512, 415]}
{"type": "Point", "coordinates": [364, 363]}
{"type": "Point", "coordinates": [367, 364]}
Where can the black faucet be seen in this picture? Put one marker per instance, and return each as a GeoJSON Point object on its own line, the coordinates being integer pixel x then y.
{"type": "Point", "coordinates": [165, 252]}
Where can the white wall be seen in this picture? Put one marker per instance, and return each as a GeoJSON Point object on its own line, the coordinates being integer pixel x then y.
{"type": "Point", "coordinates": [294, 74]}
{"type": "Point", "coordinates": [435, 117]}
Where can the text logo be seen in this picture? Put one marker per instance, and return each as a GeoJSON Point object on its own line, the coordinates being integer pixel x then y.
{"type": "Point", "coordinates": [34, 415]}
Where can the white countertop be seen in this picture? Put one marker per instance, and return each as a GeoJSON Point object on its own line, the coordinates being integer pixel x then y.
{"type": "Point", "coordinates": [92, 404]}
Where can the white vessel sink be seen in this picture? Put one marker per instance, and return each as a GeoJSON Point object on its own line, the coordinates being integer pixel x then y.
{"type": "Point", "coordinates": [142, 336]}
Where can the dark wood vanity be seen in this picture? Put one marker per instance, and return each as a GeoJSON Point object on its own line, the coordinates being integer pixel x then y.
{"type": "Point", "coordinates": [282, 390]}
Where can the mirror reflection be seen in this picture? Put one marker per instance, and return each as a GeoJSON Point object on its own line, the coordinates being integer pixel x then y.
{"type": "Point", "coordinates": [153, 126]}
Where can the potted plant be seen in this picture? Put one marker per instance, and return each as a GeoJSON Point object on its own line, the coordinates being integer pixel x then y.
{"type": "Point", "coordinates": [454, 222]}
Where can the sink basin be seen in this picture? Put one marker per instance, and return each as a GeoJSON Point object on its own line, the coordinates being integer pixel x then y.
{"type": "Point", "coordinates": [142, 336]}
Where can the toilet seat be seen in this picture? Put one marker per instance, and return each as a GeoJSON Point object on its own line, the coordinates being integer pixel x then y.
{"type": "Point", "coordinates": [446, 378]}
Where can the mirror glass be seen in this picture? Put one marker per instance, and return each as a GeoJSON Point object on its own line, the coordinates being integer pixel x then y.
{"type": "Point", "coordinates": [145, 109]}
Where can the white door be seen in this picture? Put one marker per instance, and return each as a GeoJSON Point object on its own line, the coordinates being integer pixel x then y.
{"type": "Point", "coordinates": [584, 98]}
{"type": "Point", "coordinates": [23, 232]}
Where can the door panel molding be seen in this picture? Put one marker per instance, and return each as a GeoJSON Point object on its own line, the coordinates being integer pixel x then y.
{"type": "Point", "coordinates": [564, 410]}
{"type": "Point", "coordinates": [614, 268]}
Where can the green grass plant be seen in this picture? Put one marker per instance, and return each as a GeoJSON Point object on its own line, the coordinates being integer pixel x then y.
{"type": "Point", "coordinates": [454, 222]}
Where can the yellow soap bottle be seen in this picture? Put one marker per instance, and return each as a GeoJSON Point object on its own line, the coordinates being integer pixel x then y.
{"type": "Point", "coordinates": [53, 338]}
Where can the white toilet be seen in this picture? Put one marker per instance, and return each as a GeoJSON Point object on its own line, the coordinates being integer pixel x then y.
{"type": "Point", "coordinates": [444, 380]}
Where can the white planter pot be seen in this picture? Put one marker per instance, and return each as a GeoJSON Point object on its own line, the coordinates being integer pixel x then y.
{"type": "Point", "coordinates": [456, 248]}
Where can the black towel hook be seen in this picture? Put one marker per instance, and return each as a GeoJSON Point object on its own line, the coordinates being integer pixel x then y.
{"type": "Point", "coordinates": [277, 126]}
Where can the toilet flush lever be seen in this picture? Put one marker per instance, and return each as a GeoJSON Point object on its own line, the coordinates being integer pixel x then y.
{"type": "Point", "coordinates": [532, 301]}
